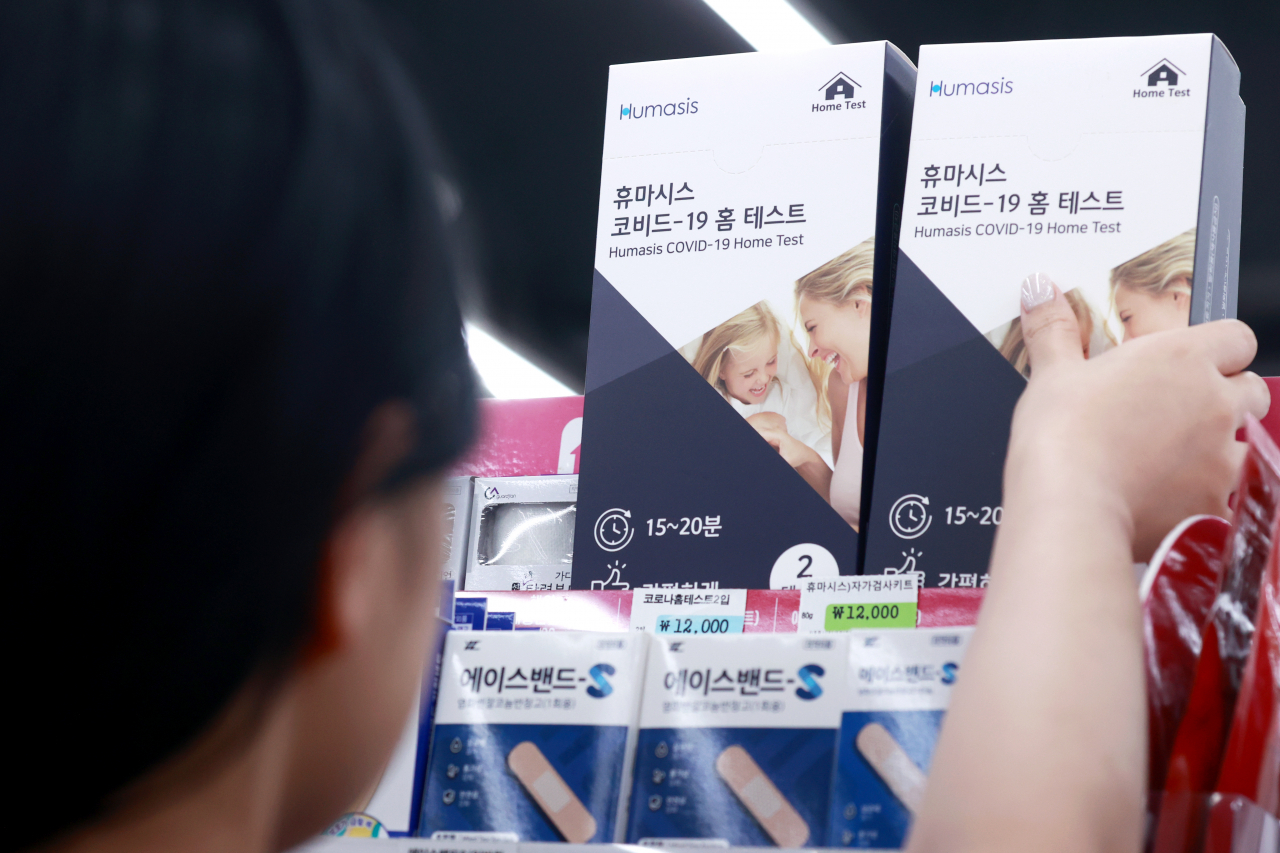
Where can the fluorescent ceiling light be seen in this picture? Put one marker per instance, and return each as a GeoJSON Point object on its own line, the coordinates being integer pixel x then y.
{"type": "Point", "coordinates": [769, 25]}
{"type": "Point", "coordinates": [509, 376]}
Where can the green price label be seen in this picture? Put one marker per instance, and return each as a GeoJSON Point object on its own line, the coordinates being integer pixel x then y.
{"type": "Point", "coordinates": [846, 617]}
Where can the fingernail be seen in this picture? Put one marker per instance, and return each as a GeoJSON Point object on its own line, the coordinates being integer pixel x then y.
{"type": "Point", "coordinates": [1037, 289]}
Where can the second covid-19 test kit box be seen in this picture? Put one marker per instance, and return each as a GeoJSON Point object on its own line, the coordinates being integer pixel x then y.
{"type": "Point", "coordinates": [737, 738]}
{"type": "Point", "coordinates": [746, 230]}
{"type": "Point", "coordinates": [532, 738]}
{"type": "Point", "coordinates": [1110, 169]}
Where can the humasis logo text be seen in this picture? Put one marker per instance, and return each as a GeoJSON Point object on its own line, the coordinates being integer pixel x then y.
{"type": "Point", "coordinates": [943, 89]}
{"type": "Point", "coordinates": [676, 108]}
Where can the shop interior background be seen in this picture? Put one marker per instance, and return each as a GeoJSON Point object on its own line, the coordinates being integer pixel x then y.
{"type": "Point", "coordinates": [518, 90]}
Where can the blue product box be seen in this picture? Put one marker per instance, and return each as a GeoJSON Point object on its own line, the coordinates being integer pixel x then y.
{"type": "Point", "coordinates": [899, 686]}
{"type": "Point", "coordinates": [533, 736]}
{"type": "Point", "coordinates": [737, 739]}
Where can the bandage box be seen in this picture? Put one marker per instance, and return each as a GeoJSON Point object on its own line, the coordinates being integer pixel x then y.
{"type": "Point", "coordinates": [1110, 167]}
{"type": "Point", "coordinates": [712, 424]}
{"type": "Point", "coordinates": [533, 735]}
{"type": "Point", "coordinates": [737, 739]}
{"type": "Point", "coordinates": [521, 533]}
{"type": "Point", "coordinates": [899, 686]}
{"type": "Point", "coordinates": [457, 524]}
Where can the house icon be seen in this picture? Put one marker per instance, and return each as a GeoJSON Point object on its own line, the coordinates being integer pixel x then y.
{"type": "Point", "coordinates": [1163, 71]}
{"type": "Point", "coordinates": [840, 85]}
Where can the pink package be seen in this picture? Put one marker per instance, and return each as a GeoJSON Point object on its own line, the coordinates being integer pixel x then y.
{"type": "Point", "coordinates": [941, 607]}
{"type": "Point", "coordinates": [526, 438]}
{"type": "Point", "coordinates": [772, 611]}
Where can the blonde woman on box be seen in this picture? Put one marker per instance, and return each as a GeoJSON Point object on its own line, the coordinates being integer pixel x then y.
{"type": "Point", "coordinates": [834, 306]}
{"type": "Point", "coordinates": [1152, 292]}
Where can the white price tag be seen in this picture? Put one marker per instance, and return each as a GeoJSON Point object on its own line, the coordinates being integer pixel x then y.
{"type": "Point", "coordinates": [688, 611]}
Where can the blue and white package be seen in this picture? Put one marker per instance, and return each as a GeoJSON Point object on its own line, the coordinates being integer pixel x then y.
{"type": "Point", "coordinates": [898, 690]}
{"type": "Point", "coordinates": [737, 738]}
{"type": "Point", "coordinates": [533, 736]}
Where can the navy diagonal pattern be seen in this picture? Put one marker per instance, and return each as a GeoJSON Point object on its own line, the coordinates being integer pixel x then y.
{"type": "Point", "coordinates": [621, 340]}
{"type": "Point", "coordinates": [660, 443]}
{"type": "Point", "coordinates": [924, 321]}
{"type": "Point", "coordinates": [944, 429]}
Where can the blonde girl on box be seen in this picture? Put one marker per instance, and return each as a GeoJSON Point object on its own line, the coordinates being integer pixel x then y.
{"type": "Point", "coordinates": [763, 376]}
{"type": "Point", "coordinates": [1152, 292]}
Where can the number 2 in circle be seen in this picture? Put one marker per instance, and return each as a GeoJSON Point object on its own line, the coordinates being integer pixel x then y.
{"type": "Point", "coordinates": [808, 563]}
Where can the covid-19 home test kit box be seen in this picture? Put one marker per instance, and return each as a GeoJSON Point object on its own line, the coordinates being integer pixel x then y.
{"type": "Point", "coordinates": [746, 230]}
{"type": "Point", "coordinates": [1109, 168]}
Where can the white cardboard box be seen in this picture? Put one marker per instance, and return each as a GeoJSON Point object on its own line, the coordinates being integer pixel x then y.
{"type": "Point", "coordinates": [1103, 165]}
{"type": "Point", "coordinates": [725, 181]}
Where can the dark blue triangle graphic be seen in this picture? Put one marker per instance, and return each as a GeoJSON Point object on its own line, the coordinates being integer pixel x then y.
{"type": "Point", "coordinates": [944, 431]}
{"type": "Point", "coordinates": [621, 340]}
{"type": "Point", "coordinates": [661, 445]}
{"type": "Point", "coordinates": [924, 321]}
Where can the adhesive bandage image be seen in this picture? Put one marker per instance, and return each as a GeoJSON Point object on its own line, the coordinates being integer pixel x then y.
{"type": "Point", "coordinates": [546, 788]}
{"type": "Point", "coordinates": [892, 764]}
{"type": "Point", "coordinates": [762, 798]}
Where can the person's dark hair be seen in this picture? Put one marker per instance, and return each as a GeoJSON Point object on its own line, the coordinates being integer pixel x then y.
{"type": "Point", "coordinates": [220, 251]}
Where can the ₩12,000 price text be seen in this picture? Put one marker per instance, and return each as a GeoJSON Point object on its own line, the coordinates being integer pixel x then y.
{"type": "Point", "coordinates": [845, 617]}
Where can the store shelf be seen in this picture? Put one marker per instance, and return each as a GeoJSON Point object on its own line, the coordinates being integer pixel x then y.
{"type": "Point", "coordinates": [427, 845]}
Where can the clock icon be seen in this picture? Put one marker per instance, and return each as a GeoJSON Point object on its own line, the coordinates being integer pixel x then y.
{"type": "Point", "coordinates": [909, 516]}
{"type": "Point", "coordinates": [613, 529]}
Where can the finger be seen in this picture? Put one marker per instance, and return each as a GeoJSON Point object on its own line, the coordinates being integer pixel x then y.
{"type": "Point", "coordinates": [1049, 326]}
{"type": "Point", "coordinates": [1230, 344]}
{"type": "Point", "coordinates": [1250, 395]}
